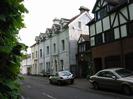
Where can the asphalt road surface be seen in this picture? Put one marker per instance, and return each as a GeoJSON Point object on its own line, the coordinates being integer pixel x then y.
{"type": "Point", "coordinates": [39, 88]}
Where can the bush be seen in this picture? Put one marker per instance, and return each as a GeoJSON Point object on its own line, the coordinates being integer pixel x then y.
{"type": "Point", "coordinates": [11, 21]}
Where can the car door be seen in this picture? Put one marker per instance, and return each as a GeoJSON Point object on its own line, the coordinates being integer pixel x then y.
{"type": "Point", "coordinates": [113, 81]}
{"type": "Point", "coordinates": [110, 80]}
{"type": "Point", "coordinates": [101, 79]}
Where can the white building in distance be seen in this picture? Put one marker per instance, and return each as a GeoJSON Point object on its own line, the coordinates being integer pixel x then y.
{"type": "Point", "coordinates": [26, 65]}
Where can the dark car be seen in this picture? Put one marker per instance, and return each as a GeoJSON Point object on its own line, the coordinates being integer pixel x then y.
{"type": "Point", "coordinates": [62, 77]}
{"type": "Point", "coordinates": [115, 78]}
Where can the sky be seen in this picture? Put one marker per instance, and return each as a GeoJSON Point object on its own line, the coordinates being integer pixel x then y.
{"type": "Point", "coordinates": [42, 12]}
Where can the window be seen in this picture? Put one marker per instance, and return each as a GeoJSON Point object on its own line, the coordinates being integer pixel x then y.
{"type": "Point", "coordinates": [87, 46]}
{"type": "Point", "coordinates": [98, 39]}
{"type": "Point", "coordinates": [100, 74]}
{"type": "Point", "coordinates": [92, 42]}
{"type": "Point", "coordinates": [63, 45]}
{"type": "Point", "coordinates": [47, 50]}
{"type": "Point", "coordinates": [48, 67]}
{"type": "Point", "coordinates": [32, 55]}
{"type": "Point", "coordinates": [101, 13]}
{"type": "Point", "coordinates": [92, 30]}
{"type": "Point", "coordinates": [40, 67]}
{"type": "Point", "coordinates": [36, 54]}
{"type": "Point", "coordinates": [84, 47]}
{"type": "Point", "coordinates": [109, 36]}
{"type": "Point", "coordinates": [56, 65]}
{"type": "Point", "coordinates": [54, 45]}
{"type": "Point", "coordinates": [116, 33]}
{"type": "Point", "coordinates": [106, 74]}
{"type": "Point", "coordinates": [62, 63]}
{"type": "Point", "coordinates": [81, 47]}
{"type": "Point", "coordinates": [79, 25]}
{"type": "Point", "coordinates": [130, 29]}
{"type": "Point", "coordinates": [124, 72]}
{"type": "Point", "coordinates": [123, 31]}
{"type": "Point", "coordinates": [40, 52]}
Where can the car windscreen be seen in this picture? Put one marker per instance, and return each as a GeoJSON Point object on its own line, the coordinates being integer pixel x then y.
{"type": "Point", "coordinates": [124, 72]}
{"type": "Point", "coordinates": [64, 73]}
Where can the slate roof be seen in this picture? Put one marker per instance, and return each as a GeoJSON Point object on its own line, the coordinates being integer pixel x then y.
{"type": "Point", "coordinates": [85, 37]}
{"type": "Point", "coordinates": [115, 3]}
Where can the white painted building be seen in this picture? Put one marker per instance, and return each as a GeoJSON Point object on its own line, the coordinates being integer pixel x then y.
{"type": "Point", "coordinates": [59, 44]}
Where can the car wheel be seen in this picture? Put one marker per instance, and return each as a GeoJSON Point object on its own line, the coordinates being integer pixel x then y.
{"type": "Point", "coordinates": [72, 81]}
{"type": "Point", "coordinates": [59, 83]}
{"type": "Point", "coordinates": [95, 85]}
{"type": "Point", "coordinates": [50, 81]}
{"type": "Point", "coordinates": [126, 89]}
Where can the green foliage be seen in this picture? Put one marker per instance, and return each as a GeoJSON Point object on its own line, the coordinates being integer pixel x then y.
{"type": "Point", "coordinates": [11, 21]}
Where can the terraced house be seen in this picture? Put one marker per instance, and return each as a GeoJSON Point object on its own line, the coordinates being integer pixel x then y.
{"type": "Point", "coordinates": [111, 34]}
{"type": "Point", "coordinates": [56, 49]}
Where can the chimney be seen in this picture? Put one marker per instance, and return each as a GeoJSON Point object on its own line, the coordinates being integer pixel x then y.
{"type": "Point", "coordinates": [56, 21]}
{"type": "Point", "coordinates": [83, 9]}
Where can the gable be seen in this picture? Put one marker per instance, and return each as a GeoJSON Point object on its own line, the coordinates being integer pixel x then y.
{"type": "Point", "coordinates": [112, 3]}
{"type": "Point", "coordinates": [98, 5]}
{"type": "Point", "coordinates": [81, 39]}
{"type": "Point", "coordinates": [84, 16]}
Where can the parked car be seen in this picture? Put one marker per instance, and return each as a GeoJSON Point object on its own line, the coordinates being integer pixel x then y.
{"type": "Point", "coordinates": [115, 78]}
{"type": "Point", "coordinates": [62, 77]}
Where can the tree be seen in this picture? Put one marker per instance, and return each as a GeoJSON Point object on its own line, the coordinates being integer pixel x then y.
{"type": "Point", "coordinates": [11, 21]}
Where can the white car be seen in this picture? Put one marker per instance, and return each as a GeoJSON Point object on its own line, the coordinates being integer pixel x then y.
{"type": "Point", "coordinates": [62, 77]}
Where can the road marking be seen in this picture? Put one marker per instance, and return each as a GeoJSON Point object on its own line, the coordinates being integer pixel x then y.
{"type": "Point", "coordinates": [22, 97]}
{"type": "Point", "coordinates": [28, 86]}
{"type": "Point", "coordinates": [49, 96]}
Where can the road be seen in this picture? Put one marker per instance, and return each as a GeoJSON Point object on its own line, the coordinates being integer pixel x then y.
{"type": "Point", "coordinates": [39, 88]}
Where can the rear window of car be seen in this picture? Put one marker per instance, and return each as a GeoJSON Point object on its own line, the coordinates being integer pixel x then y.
{"type": "Point", "coordinates": [124, 72]}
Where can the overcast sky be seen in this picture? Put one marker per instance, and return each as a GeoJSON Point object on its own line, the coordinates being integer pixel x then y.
{"type": "Point", "coordinates": [42, 12]}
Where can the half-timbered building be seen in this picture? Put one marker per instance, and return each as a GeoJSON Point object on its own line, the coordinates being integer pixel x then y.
{"type": "Point", "coordinates": [83, 56]}
{"type": "Point", "coordinates": [111, 34]}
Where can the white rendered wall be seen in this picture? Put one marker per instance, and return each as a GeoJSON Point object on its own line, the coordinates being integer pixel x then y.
{"type": "Point", "coordinates": [74, 33]}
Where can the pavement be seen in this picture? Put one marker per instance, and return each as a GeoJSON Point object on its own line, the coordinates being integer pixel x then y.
{"type": "Point", "coordinates": [81, 83]}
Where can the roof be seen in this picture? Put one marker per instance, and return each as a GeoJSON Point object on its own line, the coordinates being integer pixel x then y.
{"type": "Point", "coordinates": [49, 30]}
{"type": "Point", "coordinates": [72, 19]}
{"type": "Point", "coordinates": [91, 22]}
{"type": "Point", "coordinates": [86, 37]}
{"type": "Point", "coordinates": [33, 45]}
{"type": "Point", "coordinates": [116, 2]}
{"type": "Point", "coordinates": [111, 69]}
{"type": "Point", "coordinates": [112, 2]}
{"type": "Point", "coordinates": [57, 26]}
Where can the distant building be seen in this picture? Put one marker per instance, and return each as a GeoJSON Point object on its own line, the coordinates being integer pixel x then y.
{"type": "Point", "coordinates": [56, 48]}
{"type": "Point", "coordinates": [83, 56]}
{"type": "Point", "coordinates": [26, 65]}
{"type": "Point", "coordinates": [111, 34]}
